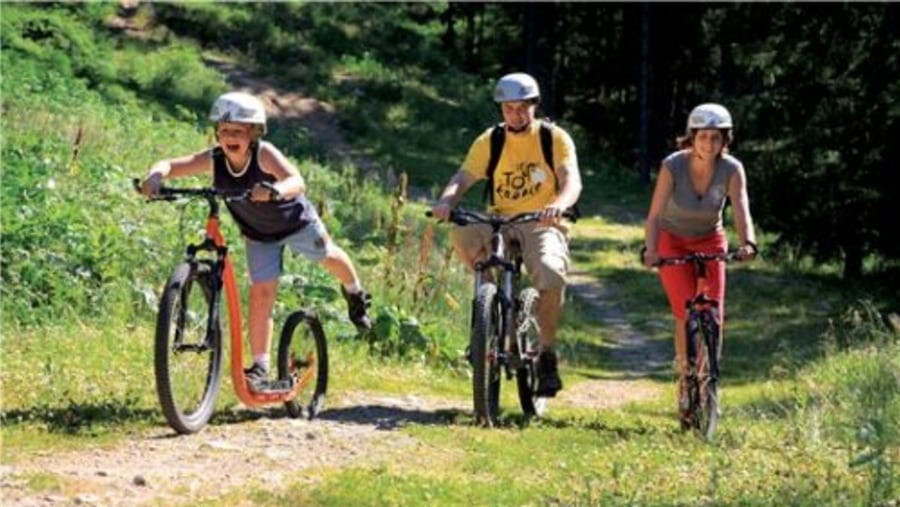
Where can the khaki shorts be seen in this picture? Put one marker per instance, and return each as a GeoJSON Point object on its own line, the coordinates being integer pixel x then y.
{"type": "Point", "coordinates": [545, 250]}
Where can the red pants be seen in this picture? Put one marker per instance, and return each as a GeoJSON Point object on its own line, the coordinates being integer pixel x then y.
{"type": "Point", "coordinates": [680, 281]}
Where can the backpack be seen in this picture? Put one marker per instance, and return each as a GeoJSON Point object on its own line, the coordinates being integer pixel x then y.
{"type": "Point", "coordinates": [498, 138]}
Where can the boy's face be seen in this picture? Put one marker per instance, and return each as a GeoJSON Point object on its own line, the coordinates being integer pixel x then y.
{"type": "Point", "coordinates": [234, 138]}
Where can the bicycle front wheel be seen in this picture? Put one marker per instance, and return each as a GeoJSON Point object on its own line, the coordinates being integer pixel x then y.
{"type": "Point", "coordinates": [188, 351]}
{"type": "Point", "coordinates": [303, 359]}
{"type": "Point", "coordinates": [708, 376]}
{"type": "Point", "coordinates": [485, 344]}
{"type": "Point", "coordinates": [527, 339]}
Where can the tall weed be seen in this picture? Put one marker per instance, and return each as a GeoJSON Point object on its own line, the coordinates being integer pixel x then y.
{"type": "Point", "coordinates": [855, 395]}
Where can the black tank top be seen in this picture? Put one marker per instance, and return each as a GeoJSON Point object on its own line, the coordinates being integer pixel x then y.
{"type": "Point", "coordinates": [260, 221]}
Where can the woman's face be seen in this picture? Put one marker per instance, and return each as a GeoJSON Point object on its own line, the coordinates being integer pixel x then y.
{"type": "Point", "coordinates": [518, 114]}
{"type": "Point", "coordinates": [235, 138]}
{"type": "Point", "coordinates": [708, 143]}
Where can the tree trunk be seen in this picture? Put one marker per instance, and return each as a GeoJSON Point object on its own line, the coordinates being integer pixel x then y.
{"type": "Point", "coordinates": [853, 260]}
{"type": "Point", "coordinates": [448, 39]}
{"type": "Point", "coordinates": [643, 96]}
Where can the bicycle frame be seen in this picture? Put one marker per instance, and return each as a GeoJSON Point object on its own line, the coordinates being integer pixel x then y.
{"type": "Point", "coordinates": [509, 270]}
{"type": "Point", "coordinates": [215, 241]}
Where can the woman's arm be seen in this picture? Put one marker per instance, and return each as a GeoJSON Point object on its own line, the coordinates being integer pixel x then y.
{"type": "Point", "coordinates": [661, 194]}
{"type": "Point", "coordinates": [743, 222]}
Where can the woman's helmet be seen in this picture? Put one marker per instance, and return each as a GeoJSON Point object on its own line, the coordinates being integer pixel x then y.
{"type": "Point", "coordinates": [516, 86]}
{"type": "Point", "coordinates": [709, 116]}
{"type": "Point", "coordinates": [239, 107]}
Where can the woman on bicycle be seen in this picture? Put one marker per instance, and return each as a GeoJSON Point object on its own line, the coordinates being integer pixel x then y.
{"type": "Point", "coordinates": [523, 181]}
{"type": "Point", "coordinates": [277, 214]}
{"type": "Point", "coordinates": [686, 216]}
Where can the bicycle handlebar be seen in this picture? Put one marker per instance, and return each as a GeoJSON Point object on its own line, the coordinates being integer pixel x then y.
{"type": "Point", "coordinates": [463, 217]}
{"type": "Point", "coordinates": [171, 193]}
{"type": "Point", "coordinates": [698, 257]}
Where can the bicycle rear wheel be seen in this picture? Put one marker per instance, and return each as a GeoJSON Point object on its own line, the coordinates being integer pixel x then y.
{"type": "Point", "coordinates": [527, 340]}
{"type": "Point", "coordinates": [484, 346]}
{"type": "Point", "coordinates": [303, 358]}
{"type": "Point", "coordinates": [188, 351]}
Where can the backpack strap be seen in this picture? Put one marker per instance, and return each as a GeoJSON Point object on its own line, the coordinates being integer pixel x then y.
{"type": "Point", "coordinates": [498, 138]}
{"type": "Point", "coordinates": [547, 147]}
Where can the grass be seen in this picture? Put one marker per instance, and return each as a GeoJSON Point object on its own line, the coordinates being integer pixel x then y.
{"type": "Point", "coordinates": [811, 390]}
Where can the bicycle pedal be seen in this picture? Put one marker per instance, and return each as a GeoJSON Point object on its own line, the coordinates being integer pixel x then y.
{"type": "Point", "coordinates": [269, 386]}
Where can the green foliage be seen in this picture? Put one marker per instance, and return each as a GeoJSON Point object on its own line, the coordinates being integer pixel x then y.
{"type": "Point", "coordinates": [803, 423]}
{"type": "Point", "coordinates": [57, 37]}
{"type": "Point", "coordinates": [857, 395]}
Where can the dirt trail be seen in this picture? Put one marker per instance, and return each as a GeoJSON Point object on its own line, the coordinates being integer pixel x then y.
{"type": "Point", "coordinates": [156, 468]}
{"type": "Point", "coordinates": [637, 356]}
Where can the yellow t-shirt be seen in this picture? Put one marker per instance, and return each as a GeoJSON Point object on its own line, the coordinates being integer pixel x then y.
{"type": "Point", "coordinates": [522, 181]}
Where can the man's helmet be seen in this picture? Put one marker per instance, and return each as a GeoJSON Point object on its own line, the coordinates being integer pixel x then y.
{"type": "Point", "coordinates": [516, 86]}
{"type": "Point", "coordinates": [239, 107]}
{"type": "Point", "coordinates": [709, 116]}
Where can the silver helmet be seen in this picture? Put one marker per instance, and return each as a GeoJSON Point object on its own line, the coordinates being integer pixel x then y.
{"type": "Point", "coordinates": [709, 116]}
{"type": "Point", "coordinates": [516, 86]}
{"type": "Point", "coordinates": [239, 107]}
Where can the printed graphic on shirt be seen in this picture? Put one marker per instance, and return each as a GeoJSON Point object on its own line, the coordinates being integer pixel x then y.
{"type": "Point", "coordinates": [525, 181]}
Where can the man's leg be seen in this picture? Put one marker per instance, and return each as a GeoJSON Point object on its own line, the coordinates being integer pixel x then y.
{"type": "Point", "coordinates": [549, 309]}
{"type": "Point", "coordinates": [545, 252]}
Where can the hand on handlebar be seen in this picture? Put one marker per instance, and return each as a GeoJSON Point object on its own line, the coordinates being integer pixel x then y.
{"type": "Point", "coordinates": [746, 252]}
{"type": "Point", "coordinates": [150, 186]}
{"type": "Point", "coordinates": [648, 258]}
{"type": "Point", "coordinates": [264, 192]}
{"type": "Point", "coordinates": [551, 215]}
{"type": "Point", "coordinates": [441, 211]}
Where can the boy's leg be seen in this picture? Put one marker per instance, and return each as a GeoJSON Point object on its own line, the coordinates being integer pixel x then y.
{"type": "Point", "coordinates": [338, 263]}
{"type": "Point", "coordinates": [262, 299]}
{"type": "Point", "coordinates": [264, 265]}
{"type": "Point", "coordinates": [314, 243]}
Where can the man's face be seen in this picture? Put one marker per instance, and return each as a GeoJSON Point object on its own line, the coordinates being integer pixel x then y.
{"type": "Point", "coordinates": [518, 114]}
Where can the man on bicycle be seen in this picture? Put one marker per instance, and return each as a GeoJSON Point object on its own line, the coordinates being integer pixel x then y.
{"type": "Point", "coordinates": [277, 215]}
{"type": "Point", "coordinates": [523, 179]}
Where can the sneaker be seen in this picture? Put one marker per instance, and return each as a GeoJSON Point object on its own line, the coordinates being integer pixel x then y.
{"type": "Point", "coordinates": [357, 305]}
{"type": "Point", "coordinates": [549, 382]}
{"type": "Point", "coordinates": [257, 377]}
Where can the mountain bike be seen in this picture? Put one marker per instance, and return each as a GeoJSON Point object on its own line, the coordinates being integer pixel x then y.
{"type": "Point", "coordinates": [504, 333]}
{"type": "Point", "coordinates": [188, 344]}
{"type": "Point", "coordinates": [703, 346]}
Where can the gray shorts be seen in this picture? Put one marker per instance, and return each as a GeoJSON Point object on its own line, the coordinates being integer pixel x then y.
{"type": "Point", "coordinates": [264, 258]}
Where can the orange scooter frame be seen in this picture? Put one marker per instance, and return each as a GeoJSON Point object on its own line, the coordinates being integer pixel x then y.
{"type": "Point", "coordinates": [232, 299]}
{"type": "Point", "coordinates": [188, 344]}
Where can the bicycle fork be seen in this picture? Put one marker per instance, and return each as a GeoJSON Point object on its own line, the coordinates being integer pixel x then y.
{"type": "Point", "coordinates": [499, 353]}
{"type": "Point", "coordinates": [702, 324]}
{"type": "Point", "coordinates": [214, 283]}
